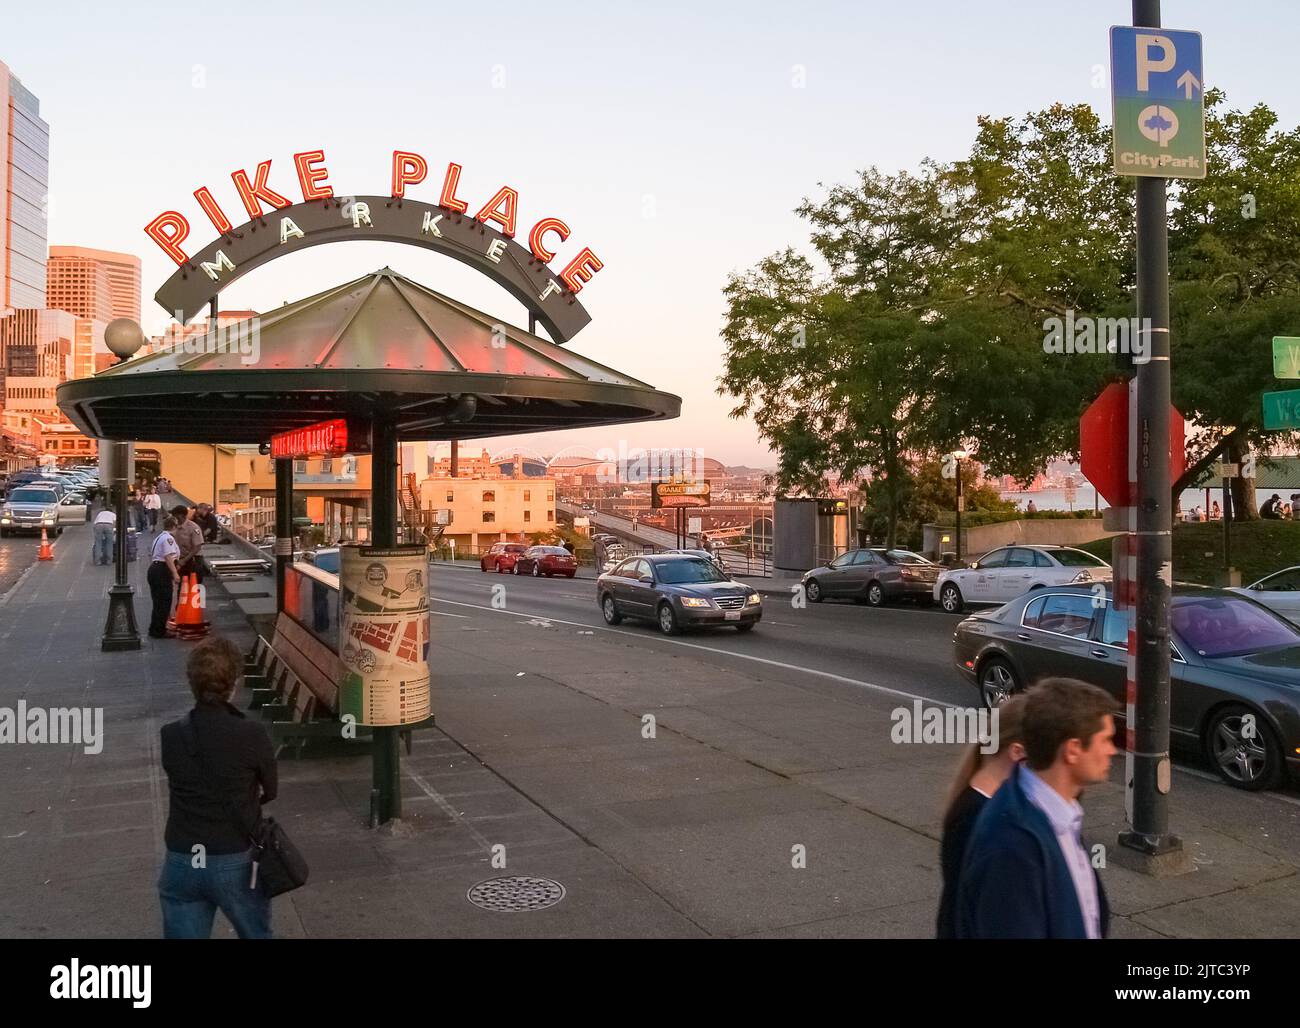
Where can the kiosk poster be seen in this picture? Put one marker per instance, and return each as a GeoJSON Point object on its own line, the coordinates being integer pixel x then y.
{"type": "Point", "coordinates": [384, 635]}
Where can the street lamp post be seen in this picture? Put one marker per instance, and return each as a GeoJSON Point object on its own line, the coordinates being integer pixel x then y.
{"type": "Point", "coordinates": [123, 337]}
{"type": "Point", "coordinates": [957, 457]}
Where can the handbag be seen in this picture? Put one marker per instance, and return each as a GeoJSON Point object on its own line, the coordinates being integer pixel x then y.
{"type": "Point", "coordinates": [276, 859]}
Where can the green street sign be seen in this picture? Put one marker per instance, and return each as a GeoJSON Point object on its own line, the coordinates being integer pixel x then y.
{"type": "Point", "coordinates": [1282, 410]}
{"type": "Point", "coordinates": [1286, 356]}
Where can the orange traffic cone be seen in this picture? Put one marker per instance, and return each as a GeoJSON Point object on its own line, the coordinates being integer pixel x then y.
{"type": "Point", "coordinates": [46, 551]}
{"type": "Point", "coordinates": [189, 611]}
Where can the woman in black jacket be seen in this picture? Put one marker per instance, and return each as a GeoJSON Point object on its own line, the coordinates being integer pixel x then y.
{"type": "Point", "coordinates": [978, 778]}
{"type": "Point", "coordinates": [220, 770]}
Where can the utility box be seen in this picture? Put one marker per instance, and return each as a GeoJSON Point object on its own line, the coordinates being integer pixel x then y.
{"type": "Point", "coordinates": [808, 531]}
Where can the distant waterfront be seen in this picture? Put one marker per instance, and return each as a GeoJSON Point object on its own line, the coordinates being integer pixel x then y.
{"type": "Point", "coordinates": [1054, 499]}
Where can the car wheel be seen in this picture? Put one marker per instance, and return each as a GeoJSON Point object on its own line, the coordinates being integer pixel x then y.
{"type": "Point", "coordinates": [745, 628]}
{"type": "Point", "coordinates": [668, 620]}
{"type": "Point", "coordinates": [813, 590]}
{"type": "Point", "coordinates": [537, 571]}
{"type": "Point", "coordinates": [1242, 748]}
{"type": "Point", "coordinates": [4, 533]}
{"type": "Point", "coordinates": [875, 594]}
{"type": "Point", "coordinates": [950, 599]}
{"type": "Point", "coordinates": [997, 682]}
{"type": "Point", "coordinates": [610, 610]}
{"type": "Point", "coordinates": [515, 570]}
{"type": "Point", "coordinates": [498, 567]}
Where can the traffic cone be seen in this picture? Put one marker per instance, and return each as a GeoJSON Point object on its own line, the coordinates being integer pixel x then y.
{"type": "Point", "coordinates": [189, 611]}
{"type": "Point", "coordinates": [46, 551]}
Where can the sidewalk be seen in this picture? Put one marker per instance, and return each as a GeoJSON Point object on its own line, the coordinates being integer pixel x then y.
{"type": "Point", "coordinates": [541, 750]}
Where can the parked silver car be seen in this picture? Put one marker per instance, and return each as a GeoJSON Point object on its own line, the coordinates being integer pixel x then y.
{"type": "Point", "coordinates": [29, 509]}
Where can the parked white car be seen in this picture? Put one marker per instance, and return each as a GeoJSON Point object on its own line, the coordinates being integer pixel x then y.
{"type": "Point", "coordinates": [1279, 591]}
{"type": "Point", "coordinates": [1010, 571]}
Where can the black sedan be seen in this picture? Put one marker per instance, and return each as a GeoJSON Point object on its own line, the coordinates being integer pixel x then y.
{"type": "Point", "coordinates": [676, 591]}
{"type": "Point", "coordinates": [1235, 668]}
{"type": "Point", "coordinates": [873, 576]}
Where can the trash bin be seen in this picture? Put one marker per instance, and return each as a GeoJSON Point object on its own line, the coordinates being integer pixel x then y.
{"type": "Point", "coordinates": [132, 545]}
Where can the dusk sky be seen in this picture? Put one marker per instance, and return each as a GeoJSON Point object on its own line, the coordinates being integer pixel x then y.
{"type": "Point", "coordinates": [675, 139]}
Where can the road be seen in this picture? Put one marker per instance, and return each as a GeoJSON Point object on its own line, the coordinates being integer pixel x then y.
{"type": "Point", "coordinates": [904, 649]}
{"type": "Point", "coordinates": [832, 648]}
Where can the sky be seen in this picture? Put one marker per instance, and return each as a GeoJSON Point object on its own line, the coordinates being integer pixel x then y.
{"type": "Point", "coordinates": [675, 139]}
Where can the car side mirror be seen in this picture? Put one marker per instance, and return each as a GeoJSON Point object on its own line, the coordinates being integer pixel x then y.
{"type": "Point", "coordinates": [646, 580]}
{"type": "Point", "coordinates": [973, 565]}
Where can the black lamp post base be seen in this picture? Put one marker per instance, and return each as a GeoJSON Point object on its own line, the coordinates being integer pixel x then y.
{"type": "Point", "coordinates": [120, 632]}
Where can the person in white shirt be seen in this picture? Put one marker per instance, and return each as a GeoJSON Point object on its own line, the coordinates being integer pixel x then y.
{"type": "Point", "coordinates": [152, 507]}
{"type": "Point", "coordinates": [104, 528]}
{"type": "Point", "coordinates": [162, 577]}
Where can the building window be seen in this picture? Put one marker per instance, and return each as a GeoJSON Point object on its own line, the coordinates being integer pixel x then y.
{"type": "Point", "coordinates": [300, 467]}
{"type": "Point", "coordinates": [528, 516]}
{"type": "Point", "coordinates": [550, 515]}
{"type": "Point", "coordinates": [550, 494]}
{"type": "Point", "coordinates": [528, 495]}
{"type": "Point", "coordinates": [327, 466]}
{"type": "Point", "coordinates": [489, 516]}
{"type": "Point", "coordinates": [489, 496]}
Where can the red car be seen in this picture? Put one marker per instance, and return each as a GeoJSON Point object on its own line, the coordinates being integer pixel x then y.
{"type": "Point", "coordinates": [501, 557]}
{"type": "Point", "coordinates": [546, 560]}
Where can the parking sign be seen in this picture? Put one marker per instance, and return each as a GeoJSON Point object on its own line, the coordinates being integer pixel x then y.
{"type": "Point", "coordinates": [1158, 112]}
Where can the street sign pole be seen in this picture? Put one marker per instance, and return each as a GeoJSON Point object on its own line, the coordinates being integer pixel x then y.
{"type": "Point", "coordinates": [1150, 772]}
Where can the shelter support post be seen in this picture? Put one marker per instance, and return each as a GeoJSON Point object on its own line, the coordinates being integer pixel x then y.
{"type": "Point", "coordinates": [283, 526]}
{"type": "Point", "coordinates": [387, 769]}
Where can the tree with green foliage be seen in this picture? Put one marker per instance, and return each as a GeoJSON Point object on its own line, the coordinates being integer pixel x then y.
{"type": "Point", "coordinates": [917, 323]}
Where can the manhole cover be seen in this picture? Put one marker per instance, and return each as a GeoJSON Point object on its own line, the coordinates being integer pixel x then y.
{"type": "Point", "coordinates": [516, 892]}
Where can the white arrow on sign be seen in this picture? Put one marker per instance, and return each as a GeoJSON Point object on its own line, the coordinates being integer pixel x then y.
{"type": "Point", "coordinates": [1188, 83]}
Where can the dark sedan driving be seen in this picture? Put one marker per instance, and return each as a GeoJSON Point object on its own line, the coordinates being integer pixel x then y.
{"type": "Point", "coordinates": [1234, 671]}
{"type": "Point", "coordinates": [676, 591]}
{"type": "Point", "coordinates": [873, 576]}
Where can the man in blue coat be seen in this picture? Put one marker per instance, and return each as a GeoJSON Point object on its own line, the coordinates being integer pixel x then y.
{"type": "Point", "coordinates": [1026, 874]}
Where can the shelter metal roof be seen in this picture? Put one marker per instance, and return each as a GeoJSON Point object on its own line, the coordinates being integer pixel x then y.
{"type": "Point", "coordinates": [381, 344]}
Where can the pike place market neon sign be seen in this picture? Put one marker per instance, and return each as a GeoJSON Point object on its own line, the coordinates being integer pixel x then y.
{"type": "Point", "coordinates": [484, 240]}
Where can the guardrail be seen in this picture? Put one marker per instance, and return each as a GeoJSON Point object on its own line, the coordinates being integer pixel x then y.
{"type": "Point", "coordinates": [311, 598]}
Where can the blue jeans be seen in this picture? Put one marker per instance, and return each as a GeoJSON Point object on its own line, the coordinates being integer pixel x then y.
{"type": "Point", "coordinates": [192, 895]}
{"type": "Point", "coordinates": [103, 544]}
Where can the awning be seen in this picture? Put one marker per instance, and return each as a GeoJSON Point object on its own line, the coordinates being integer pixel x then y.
{"type": "Point", "coordinates": [379, 344]}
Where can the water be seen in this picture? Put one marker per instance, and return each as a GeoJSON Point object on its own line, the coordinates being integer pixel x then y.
{"type": "Point", "coordinates": [1054, 499]}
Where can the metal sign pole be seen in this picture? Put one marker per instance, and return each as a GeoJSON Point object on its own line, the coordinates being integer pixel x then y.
{"type": "Point", "coordinates": [1148, 725]}
{"type": "Point", "coordinates": [387, 761]}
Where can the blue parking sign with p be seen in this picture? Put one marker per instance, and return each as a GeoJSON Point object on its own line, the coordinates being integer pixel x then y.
{"type": "Point", "coordinates": [1158, 102]}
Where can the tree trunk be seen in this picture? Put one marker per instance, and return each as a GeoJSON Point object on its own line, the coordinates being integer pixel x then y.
{"type": "Point", "coordinates": [1243, 489]}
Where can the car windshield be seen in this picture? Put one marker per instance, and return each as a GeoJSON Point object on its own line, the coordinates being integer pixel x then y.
{"type": "Point", "coordinates": [554, 551]}
{"type": "Point", "coordinates": [1078, 559]}
{"type": "Point", "coordinates": [902, 557]}
{"type": "Point", "coordinates": [32, 496]}
{"type": "Point", "coordinates": [1227, 626]}
{"type": "Point", "coordinates": [516, 549]}
{"type": "Point", "coordinates": [683, 572]}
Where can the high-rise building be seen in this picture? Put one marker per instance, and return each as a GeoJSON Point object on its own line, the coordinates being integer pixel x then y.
{"type": "Point", "coordinates": [36, 348]}
{"type": "Point", "coordinates": [90, 283]}
{"type": "Point", "coordinates": [24, 185]}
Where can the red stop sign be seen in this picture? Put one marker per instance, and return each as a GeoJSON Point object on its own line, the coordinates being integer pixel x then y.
{"type": "Point", "coordinates": [1103, 444]}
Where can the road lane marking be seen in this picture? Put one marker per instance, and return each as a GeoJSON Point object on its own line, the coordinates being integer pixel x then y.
{"type": "Point", "coordinates": [708, 649]}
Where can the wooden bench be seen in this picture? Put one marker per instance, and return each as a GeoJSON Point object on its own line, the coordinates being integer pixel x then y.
{"type": "Point", "coordinates": [293, 679]}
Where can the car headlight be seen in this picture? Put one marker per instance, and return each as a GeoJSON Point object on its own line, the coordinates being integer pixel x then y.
{"type": "Point", "coordinates": [693, 601]}
{"type": "Point", "coordinates": [1083, 576]}
{"type": "Point", "coordinates": [753, 599]}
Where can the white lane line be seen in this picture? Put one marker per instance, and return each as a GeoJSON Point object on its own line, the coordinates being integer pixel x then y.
{"type": "Point", "coordinates": [708, 649]}
{"type": "Point", "coordinates": [447, 614]}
